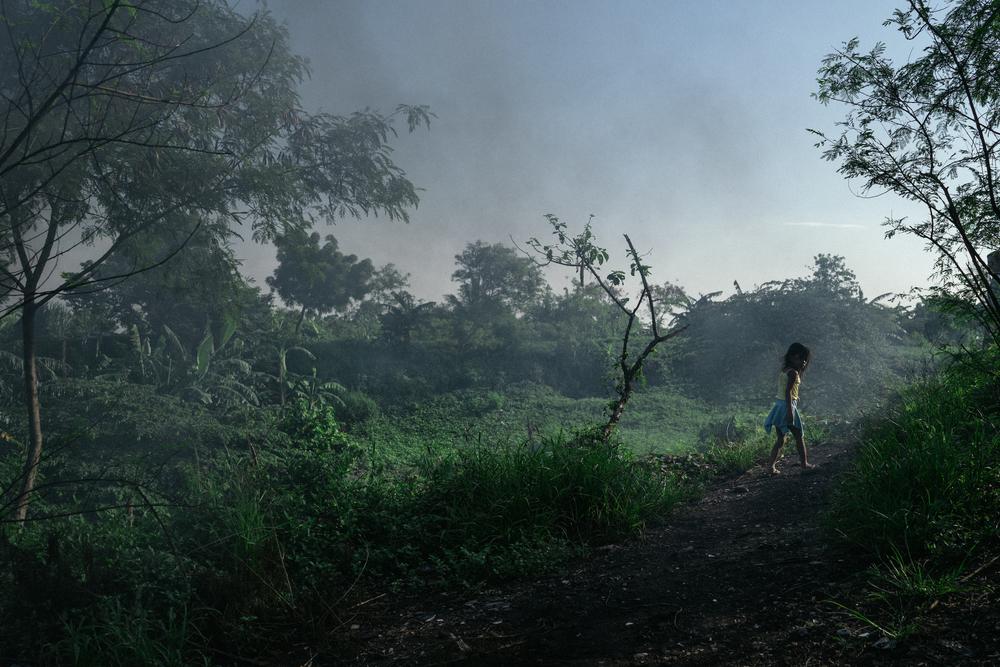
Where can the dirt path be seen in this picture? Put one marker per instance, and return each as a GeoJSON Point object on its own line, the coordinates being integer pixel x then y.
{"type": "Point", "coordinates": [741, 577]}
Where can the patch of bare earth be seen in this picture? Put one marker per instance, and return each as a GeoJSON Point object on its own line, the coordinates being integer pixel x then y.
{"type": "Point", "coordinates": [743, 576]}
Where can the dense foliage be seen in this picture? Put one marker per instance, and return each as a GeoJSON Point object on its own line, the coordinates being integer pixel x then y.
{"type": "Point", "coordinates": [227, 468]}
{"type": "Point", "coordinates": [927, 478]}
{"type": "Point", "coordinates": [284, 521]}
{"type": "Point", "coordinates": [925, 130]}
{"type": "Point", "coordinates": [861, 345]}
{"type": "Point", "coordinates": [250, 469]}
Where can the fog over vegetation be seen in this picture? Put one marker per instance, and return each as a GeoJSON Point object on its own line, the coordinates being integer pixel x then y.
{"type": "Point", "coordinates": [648, 117]}
{"type": "Point", "coordinates": [307, 304]}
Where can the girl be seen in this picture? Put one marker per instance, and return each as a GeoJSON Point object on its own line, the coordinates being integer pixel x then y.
{"type": "Point", "coordinates": [784, 416]}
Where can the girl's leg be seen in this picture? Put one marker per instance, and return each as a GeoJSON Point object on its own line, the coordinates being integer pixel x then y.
{"type": "Point", "coordinates": [800, 444]}
{"type": "Point", "coordinates": [776, 451]}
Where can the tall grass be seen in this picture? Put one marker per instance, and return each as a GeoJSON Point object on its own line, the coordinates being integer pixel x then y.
{"type": "Point", "coordinates": [289, 535]}
{"type": "Point", "coordinates": [569, 486]}
{"type": "Point", "coordinates": [117, 635]}
{"type": "Point", "coordinates": [927, 477]}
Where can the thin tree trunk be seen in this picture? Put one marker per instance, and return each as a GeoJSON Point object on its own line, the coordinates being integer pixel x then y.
{"type": "Point", "coordinates": [617, 411]}
{"type": "Point", "coordinates": [302, 316]}
{"type": "Point", "coordinates": [282, 372]}
{"type": "Point", "coordinates": [33, 406]}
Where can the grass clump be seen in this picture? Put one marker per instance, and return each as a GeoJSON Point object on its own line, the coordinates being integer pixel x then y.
{"type": "Point", "coordinates": [736, 444]}
{"type": "Point", "coordinates": [927, 478]}
{"type": "Point", "coordinates": [574, 486]}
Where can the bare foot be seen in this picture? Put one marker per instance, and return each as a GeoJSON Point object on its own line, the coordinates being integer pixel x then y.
{"type": "Point", "coordinates": [809, 466]}
{"type": "Point", "coordinates": [774, 471]}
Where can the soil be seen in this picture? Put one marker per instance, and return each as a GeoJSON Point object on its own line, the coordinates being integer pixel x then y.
{"type": "Point", "coordinates": [744, 576]}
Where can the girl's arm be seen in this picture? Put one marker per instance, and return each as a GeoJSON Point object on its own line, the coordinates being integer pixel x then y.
{"type": "Point", "coordinates": [790, 382]}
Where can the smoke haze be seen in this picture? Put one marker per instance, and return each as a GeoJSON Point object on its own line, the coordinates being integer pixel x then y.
{"type": "Point", "coordinates": [681, 123]}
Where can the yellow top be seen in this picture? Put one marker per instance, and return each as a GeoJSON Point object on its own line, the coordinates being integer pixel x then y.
{"type": "Point", "coordinates": [783, 384]}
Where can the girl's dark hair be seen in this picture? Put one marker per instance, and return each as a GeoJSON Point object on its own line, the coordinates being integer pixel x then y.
{"type": "Point", "coordinates": [796, 350]}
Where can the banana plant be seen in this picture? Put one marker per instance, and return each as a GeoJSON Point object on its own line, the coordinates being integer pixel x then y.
{"type": "Point", "coordinates": [201, 374]}
{"type": "Point", "coordinates": [316, 392]}
{"type": "Point", "coordinates": [283, 383]}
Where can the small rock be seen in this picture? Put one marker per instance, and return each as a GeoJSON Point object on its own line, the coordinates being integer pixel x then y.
{"type": "Point", "coordinates": [739, 490]}
{"type": "Point", "coordinates": [885, 644]}
{"type": "Point", "coordinates": [355, 627]}
{"type": "Point", "coordinates": [958, 648]}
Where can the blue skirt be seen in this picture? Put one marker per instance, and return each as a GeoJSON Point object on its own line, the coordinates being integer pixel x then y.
{"type": "Point", "coordinates": [778, 417]}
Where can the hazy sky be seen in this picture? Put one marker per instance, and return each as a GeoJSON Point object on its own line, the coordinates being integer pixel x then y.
{"type": "Point", "coordinates": [682, 123]}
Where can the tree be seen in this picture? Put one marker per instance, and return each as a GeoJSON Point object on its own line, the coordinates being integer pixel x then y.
{"type": "Point", "coordinates": [405, 316]}
{"type": "Point", "coordinates": [929, 131]}
{"type": "Point", "coordinates": [386, 287]}
{"type": "Point", "coordinates": [581, 253]}
{"type": "Point", "coordinates": [575, 334]}
{"type": "Point", "coordinates": [494, 275]}
{"type": "Point", "coordinates": [199, 286]}
{"type": "Point", "coordinates": [119, 118]}
{"type": "Point", "coordinates": [318, 278]}
{"type": "Point", "coordinates": [831, 275]}
{"type": "Point", "coordinates": [736, 344]}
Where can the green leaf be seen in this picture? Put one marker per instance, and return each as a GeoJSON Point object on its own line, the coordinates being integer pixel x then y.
{"type": "Point", "coordinates": [228, 329]}
{"type": "Point", "coordinates": [181, 353]}
{"type": "Point", "coordinates": [205, 349]}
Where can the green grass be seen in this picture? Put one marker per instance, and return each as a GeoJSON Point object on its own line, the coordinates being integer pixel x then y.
{"type": "Point", "coordinates": [901, 576]}
{"type": "Point", "coordinates": [468, 488]}
{"type": "Point", "coordinates": [658, 420]}
{"type": "Point", "coordinates": [899, 592]}
{"type": "Point", "coordinates": [923, 496]}
{"type": "Point", "coordinates": [115, 635]}
{"type": "Point", "coordinates": [926, 481]}
{"type": "Point", "coordinates": [286, 534]}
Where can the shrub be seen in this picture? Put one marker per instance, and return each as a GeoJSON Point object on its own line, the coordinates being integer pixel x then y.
{"type": "Point", "coordinates": [356, 407]}
{"type": "Point", "coordinates": [927, 477]}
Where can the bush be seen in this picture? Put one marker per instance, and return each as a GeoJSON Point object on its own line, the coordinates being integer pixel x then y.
{"type": "Point", "coordinates": [356, 408]}
{"type": "Point", "coordinates": [927, 477]}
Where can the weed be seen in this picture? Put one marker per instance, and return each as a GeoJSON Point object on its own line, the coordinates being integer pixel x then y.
{"type": "Point", "coordinates": [115, 634]}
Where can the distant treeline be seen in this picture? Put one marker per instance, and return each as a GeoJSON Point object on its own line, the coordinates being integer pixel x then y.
{"type": "Point", "coordinates": [197, 329]}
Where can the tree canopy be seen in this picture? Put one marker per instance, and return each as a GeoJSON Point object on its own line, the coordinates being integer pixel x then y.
{"type": "Point", "coordinates": [928, 131]}
{"type": "Point", "coordinates": [319, 278]}
{"type": "Point", "coordinates": [492, 274]}
{"type": "Point", "coordinates": [122, 120]}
